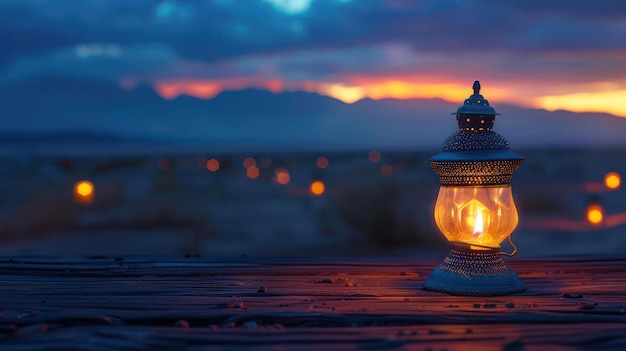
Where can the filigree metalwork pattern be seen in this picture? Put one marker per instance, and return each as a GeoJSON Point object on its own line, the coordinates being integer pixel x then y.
{"type": "Point", "coordinates": [468, 140]}
{"type": "Point", "coordinates": [474, 263]}
{"type": "Point", "coordinates": [475, 173]}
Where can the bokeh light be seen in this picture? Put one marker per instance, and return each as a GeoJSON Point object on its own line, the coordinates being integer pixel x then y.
{"type": "Point", "coordinates": [213, 165]}
{"type": "Point", "coordinates": [317, 188]}
{"type": "Point", "coordinates": [386, 170]}
{"type": "Point", "coordinates": [252, 172]}
{"type": "Point", "coordinates": [84, 191]}
{"type": "Point", "coordinates": [595, 214]}
{"type": "Point", "coordinates": [374, 156]}
{"type": "Point", "coordinates": [249, 162]}
{"type": "Point", "coordinates": [322, 162]}
{"type": "Point", "coordinates": [612, 180]}
{"type": "Point", "coordinates": [282, 176]}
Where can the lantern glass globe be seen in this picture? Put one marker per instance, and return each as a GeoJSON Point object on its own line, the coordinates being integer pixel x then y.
{"type": "Point", "coordinates": [481, 217]}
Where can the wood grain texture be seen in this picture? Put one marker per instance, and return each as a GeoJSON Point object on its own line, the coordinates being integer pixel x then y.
{"type": "Point", "coordinates": [200, 303]}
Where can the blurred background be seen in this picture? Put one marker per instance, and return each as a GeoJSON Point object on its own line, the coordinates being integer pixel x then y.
{"type": "Point", "coordinates": [300, 127]}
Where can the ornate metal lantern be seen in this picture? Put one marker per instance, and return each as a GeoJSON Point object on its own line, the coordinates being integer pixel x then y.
{"type": "Point", "coordinates": [475, 210]}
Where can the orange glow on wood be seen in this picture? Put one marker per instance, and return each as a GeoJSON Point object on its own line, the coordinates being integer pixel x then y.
{"type": "Point", "coordinates": [213, 165]}
{"type": "Point", "coordinates": [317, 188]}
{"type": "Point", "coordinates": [84, 191]}
{"type": "Point", "coordinates": [612, 180]}
{"type": "Point", "coordinates": [322, 162]}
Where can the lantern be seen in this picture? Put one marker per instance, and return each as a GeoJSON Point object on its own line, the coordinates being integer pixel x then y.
{"type": "Point", "coordinates": [475, 210]}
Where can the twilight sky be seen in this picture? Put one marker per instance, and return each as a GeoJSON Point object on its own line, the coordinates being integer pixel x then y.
{"type": "Point", "coordinates": [556, 54]}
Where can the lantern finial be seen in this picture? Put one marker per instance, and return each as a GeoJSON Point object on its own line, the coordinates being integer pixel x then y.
{"type": "Point", "coordinates": [476, 87]}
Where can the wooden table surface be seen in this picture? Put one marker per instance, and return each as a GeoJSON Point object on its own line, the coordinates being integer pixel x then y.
{"type": "Point", "coordinates": [201, 303]}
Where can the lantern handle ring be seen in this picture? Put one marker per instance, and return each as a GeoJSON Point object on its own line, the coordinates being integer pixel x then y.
{"type": "Point", "coordinates": [513, 246]}
{"type": "Point", "coordinates": [509, 254]}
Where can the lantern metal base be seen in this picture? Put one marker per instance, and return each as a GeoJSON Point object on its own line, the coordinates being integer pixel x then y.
{"type": "Point", "coordinates": [474, 273]}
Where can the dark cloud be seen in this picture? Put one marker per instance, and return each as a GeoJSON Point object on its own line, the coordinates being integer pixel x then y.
{"type": "Point", "coordinates": [216, 29]}
{"type": "Point", "coordinates": [243, 38]}
{"type": "Point", "coordinates": [576, 9]}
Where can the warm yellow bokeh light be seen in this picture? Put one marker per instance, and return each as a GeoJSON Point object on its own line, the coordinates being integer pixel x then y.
{"type": "Point", "coordinates": [84, 191]}
{"type": "Point", "coordinates": [477, 216]}
{"type": "Point", "coordinates": [612, 180]}
{"type": "Point", "coordinates": [595, 214]}
{"type": "Point", "coordinates": [600, 101]}
{"type": "Point", "coordinates": [84, 188]}
{"type": "Point", "coordinates": [317, 188]}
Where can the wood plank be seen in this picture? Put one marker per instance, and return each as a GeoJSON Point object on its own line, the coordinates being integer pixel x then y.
{"type": "Point", "coordinates": [143, 303]}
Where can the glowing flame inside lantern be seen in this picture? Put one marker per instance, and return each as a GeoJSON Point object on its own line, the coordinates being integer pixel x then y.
{"type": "Point", "coordinates": [478, 225]}
{"type": "Point", "coordinates": [482, 216]}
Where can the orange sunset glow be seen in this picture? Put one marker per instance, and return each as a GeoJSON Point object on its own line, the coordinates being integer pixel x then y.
{"type": "Point", "coordinates": [397, 88]}
{"type": "Point", "coordinates": [208, 89]}
{"type": "Point", "coordinates": [602, 101]}
{"type": "Point", "coordinates": [348, 93]}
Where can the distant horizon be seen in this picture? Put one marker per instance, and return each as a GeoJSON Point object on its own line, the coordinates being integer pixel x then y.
{"type": "Point", "coordinates": [183, 94]}
{"type": "Point", "coordinates": [555, 55]}
{"type": "Point", "coordinates": [258, 118]}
